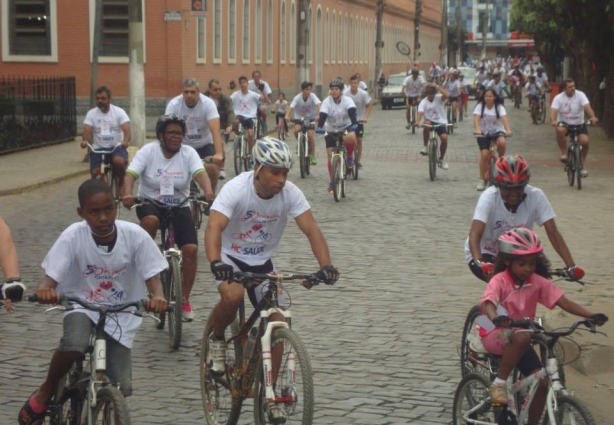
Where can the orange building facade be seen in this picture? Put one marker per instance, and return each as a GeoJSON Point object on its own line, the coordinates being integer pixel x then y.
{"type": "Point", "coordinates": [236, 37]}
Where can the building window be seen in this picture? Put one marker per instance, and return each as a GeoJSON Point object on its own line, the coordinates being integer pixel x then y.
{"type": "Point", "coordinates": [282, 33]}
{"type": "Point", "coordinates": [481, 23]}
{"type": "Point", "coordinates": [232, 31]}
{"type": "Point", "coordinates": [217, 31]}
{"type": "Point", "coordinates": [201, 40]}
{"type": "Point", "coordinates": [114, 37]}
{"type": "Point", "coordinates": [245, 31]}
{"type": "Point", "coordinates": [258, 33]}
{"type": "Point", "coordinates": [346, 39]}
{"type": "Point", "coordinates": [309, 34]}
{"type": "Point", "coordinates": [292, 33]}
{"type": "Point", "coordinates": [327, 39]}
{"type": "Point", "coordinates": [333, 42]}
{"type": "Point", "coordinates": [269, 32]}
{"type": "Point", "coordinates": [29, 24]}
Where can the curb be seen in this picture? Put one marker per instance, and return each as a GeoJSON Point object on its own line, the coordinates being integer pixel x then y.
{"type": "Point", "coordinates": [33, 186]}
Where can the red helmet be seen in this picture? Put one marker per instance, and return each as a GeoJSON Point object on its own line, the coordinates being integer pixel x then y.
{"type": "Point", "coordinates": [519, 241]}
{"type": "Point", "coordinates": [512, 171]}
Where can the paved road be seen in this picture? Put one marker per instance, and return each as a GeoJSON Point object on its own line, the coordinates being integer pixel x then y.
{"type": "Point", "coordinates": [383, 341]}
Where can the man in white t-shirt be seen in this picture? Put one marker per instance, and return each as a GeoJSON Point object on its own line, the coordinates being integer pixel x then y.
{"type": "Point", "coordinates": [305, 105]}
{"type": "Point", "coordinates": [452, 86]}
{"type": "Point", "coordinates": [412, 89]}
{"type": "Point", "coordinates": [165, 168]}
{"type": "Point", "coordinates": [569, 107]}
{"type": "Point", "coordinates": [101, 261]}
{"type": "Point", "coordinates": [107, 126]}
{"type": "Point", "coordinates": [541, 77]}
{"type": "Point", "coordinates": [338, 114]}
{"type": "Point", "coordinates": [431, 108]}
{"type": "Point", "coordinates": [261, 87]}
{"type": "Point", "coordinates": [202, 125]}
{"type": "Point", "coordinates": [245, 226]}
{"type": "Point", "coordinates": [362, 100]}
{"type": "Point", "coordinates": [512, 203]}
{"type": "Point", "coordinates": [245, 105]}
{"type": "Point", "coordinates": [361, 84]}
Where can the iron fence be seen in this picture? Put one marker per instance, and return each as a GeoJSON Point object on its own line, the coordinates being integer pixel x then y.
{"type": "Point", "coordinates": [36, 111]}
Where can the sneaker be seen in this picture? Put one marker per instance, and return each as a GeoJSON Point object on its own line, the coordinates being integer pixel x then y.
{"type": "Point", "coordinates": [350, 162]}
{"type": "Point", "coordinates": [330, 187]}
{"type": "Point", "coordinates": [498, 393]}
{"type": "Point", "coordinates": [277, 414]}
{"type": "Point", "coordinates": [222, 174]}
{"type": "Point", "coordinates": [313, 160]}
{"type": "Point", "coordinates": [563, 159]}
{"type": "Point", "coordinates": [481, 186]}
{"type": "Point", "coordinates": [584, 173]}
{"type": "Point", "coordinates": [359, 165]}
{"type": "Point", "coordinates": [216, 357]}
{"type": "Point", "coordinates": [408, 127]}
{"type": "Point", "coordinates": [187, 315]}
{"type": "Point", "coordinates": [444, 164]}
{"type": "Point", "coordinates": [423, 151]}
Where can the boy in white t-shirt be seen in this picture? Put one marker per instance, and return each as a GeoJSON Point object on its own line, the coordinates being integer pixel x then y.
{"type": "Point", "coordinates": [280, 109]}
{"type": "Point", "coordinates": [101, 261]}
{"type": "Point", "coordinates": [431, 108]}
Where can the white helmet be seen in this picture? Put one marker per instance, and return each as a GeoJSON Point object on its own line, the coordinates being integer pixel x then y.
{"type": "Point", "coordinates": [271, 152]}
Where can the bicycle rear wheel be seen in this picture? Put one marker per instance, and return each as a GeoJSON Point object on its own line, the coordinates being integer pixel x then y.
{"type": "Point", "coordinates": [245, 154]}
{"type": "Point", "coordinates": [337, 178]}
{"type": "Point", "coordinates": [472, 401]}
{"type": "Point", "coordinates": [174, 295]}
{"type": "Point", "coordinates": [219, 405]}
{"type": "Point", "coordinates": [570, 411]}
{"type": "Point", "coordinates": [491, 169]}
{"type": "Point", "coordinates": [302, 155]}
{"type": "Point", "coordinates": [293, 387]}
{"type": "Point", "coordinates": [571, 166]}
{"type": "Point", "coordinates": [432, 149]}
{"type": "Point", "coordinates": [237, 154]}
{"type": "Point", "coordinates": [467, 356]}
{"type": "Point", "coordinates": [578, 161]}
{"type": "Point", "coordinates": [111, 407]}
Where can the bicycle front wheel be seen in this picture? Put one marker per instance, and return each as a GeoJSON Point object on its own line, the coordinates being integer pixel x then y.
{"type": "Point", "coordinates": [111, 407]}
{"type": "Point", "coordinates": [67, 405]}
{"type": "Point", "coordinates": [337, 177]}
{"type": "Point", "coordinates": [432, 148]}
{"type": "Point", "coordinates": [175, 296]}
{"type": "Point", "coordinates": [293, 387]}
{"type": "Point", "coordinates": [542, 112]}
{"type": "Point", "coordinates": [237, 154]}
{"type": "Point", "coordinates": [197, 215]}
{"type": "Point", "coordinates": [302, 155]}
{"type": "Point", "coordinates": [219, 405]}
{"type": "Point", "coordinates": [245, 154]}
{"type": "Point", "coordinates": [491, 169]}
{"type": "Point", "coordinates": [570, 411]}
{"type": "Point", "coordinates": [571, 167]}
{"type": "Point", "coordinates": [472, 401]}
{"type": "Point", "coordinates": [578, 161]}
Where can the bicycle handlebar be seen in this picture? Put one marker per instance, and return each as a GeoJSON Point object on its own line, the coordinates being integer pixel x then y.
{"type": "Point", "coordinates": [250, 279]}
{"type": "Point", "coordinates": [494, 135]}
{"type": "Point", "coordinates": [433, 126]}
{"type": "Point", "coordinates": [532, 325]}
{"type": "Point", "coordinates": [101, 151]}
{"type": "Point", "coordinates": [106, 309]}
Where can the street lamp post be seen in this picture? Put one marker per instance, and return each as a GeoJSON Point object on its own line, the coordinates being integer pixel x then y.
{"type": "Point", "coordinates": [485, 29]}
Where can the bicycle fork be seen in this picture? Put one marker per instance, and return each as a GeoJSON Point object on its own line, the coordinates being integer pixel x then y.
{"type": "Point", "coordinates": [267, 360]}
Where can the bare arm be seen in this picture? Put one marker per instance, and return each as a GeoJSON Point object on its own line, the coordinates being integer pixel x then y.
{"type": "Point", "coordinates": [506, 125]}
{"type": "Point", "coordinates": [444, 93]}
{"type": "Point", "coordinates": [591, 114]}
{"type": "Point", "coordinates": [87, 135]}
{"type": "Point", "coordinates": [310, 228]}
{"type": "Point", "coordinates": [476, 124]}
{"type": "Point", "coordinates": [571, 307]}
{"type": "Point", "coordinates": [213, 235]}
{"type": "Point", "coordinates": [289, 113]}
{"type": "Point", "coordinates": [214, 127]}
{"type": "Point", "coordinates": [8, 253]}
{"type": "Point", "coordinates": [127, 135]}
{"type": "Point", "coordinates": [553, 114]}
{"type": "Point", "coordinates": [45, 292]}
{"type": "Point", "coordinates": [557, 241]}
{"type": "Point", "coordinates": [157, 302]}
{"type": "Point", "coordinates": [367, 112]}
{"type": "Point", "coordinates": [203, 181]}
{"type": "Point", "coordinates": [476, 231]}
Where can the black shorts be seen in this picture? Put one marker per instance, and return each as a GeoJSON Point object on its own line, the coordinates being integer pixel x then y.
{"type": "Point", "coordinates": [205, 151]}
{"type": "Point", "coordinates": [331, 141]}
{"type": "Point", "coordinates": [478, 271]}
{"type": "Point", "coordinates": [453, 99]}
{"type": "Point", "coordinates": [484, 143]}
{"type": "Point", "coordinates": [411, 99]}
{"type": "Point", "coordinates": [582, 129]}
{"type": "Point", "coordinates": [185, 233]}
{"type": "Point", "coordinates": [440, 130]}
{"type": "Point", "coordinates": [262, 268]}
{"type": "Point", "coordinates": [247, 123]}
{"type": "Point", "coordinates": [529, 362]}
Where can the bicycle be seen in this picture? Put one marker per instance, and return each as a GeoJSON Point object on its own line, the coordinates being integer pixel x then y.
{"type": "Point", "coordinates": [517, 95]}
{"type": "Point", "coordinates": [85, 395]}
{"type": "Point", "coordinates": [574, 164]}
{"type": "Point", "coordinates": [489, 178]}
{"type": "Point", "coordinates": [282, 391]}
{"type": "Point", "coordinates": [413, 113]}
{"type": "Point", "coordinates": [241, 150]}
{"type": "Point", "coordinates": [449, 115]}
{"type": "Point", "coordinates": [281, 127]}
{"type": "Point", "coordinates": [171, 278]}
{"type": "Point", "coordinates": [472, 404]}
{"type": "Point", "coordinates": [432, 149]}
{"type": "Point", "coordinates": [542, 106]}
{"type": "Point", "coordinates": [107, 174]}
{"type": "Point", "coordinates": [198, 205]}
{"type": "Point", "coordinates": [303, 145]}
{"type": "Point", "coordinates": [339, 165]}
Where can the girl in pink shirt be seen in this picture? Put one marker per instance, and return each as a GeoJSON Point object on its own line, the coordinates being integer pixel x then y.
{"type": "Point", "coordinates": [521, 281]}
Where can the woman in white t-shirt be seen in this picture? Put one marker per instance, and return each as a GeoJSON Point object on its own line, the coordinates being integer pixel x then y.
{"type": "Point", "coordinates": [489, 117]}
{"type": "Point", "coordinates": [279, 109]}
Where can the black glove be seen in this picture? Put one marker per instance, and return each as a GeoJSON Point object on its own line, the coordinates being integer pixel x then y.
{"type": "Point", "coordinates": [599, 318]}
{"type": "Point", "coordinates": [330, 275]}
{"type": "Point", "coordinates": [261, 87]}
{"type": "Point", "coordinates": [223, 272]}
{"type": "Point", "coordinates": [500, 320]}
{"type": "Point", "coordinates": [12, 290]}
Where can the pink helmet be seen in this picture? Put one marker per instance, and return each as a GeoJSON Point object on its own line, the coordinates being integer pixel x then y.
{"type": "Point", "coordinates": [520, 241]}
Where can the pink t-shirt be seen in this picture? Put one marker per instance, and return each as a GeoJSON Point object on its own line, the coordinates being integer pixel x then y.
{"type": "Point", "coordinates": [521, 302]}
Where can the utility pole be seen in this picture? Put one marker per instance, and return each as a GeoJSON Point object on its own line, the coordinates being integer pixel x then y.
{"type": "Point", "coordinates": [458, 33]}
{"type": "Point", "coordinates": [444, 34]}
{"type": "Point", "coordinates": [379, 43]}
{"type": "Point", "coordinates": [417, 16]}
{"type": "Point", "coordinates": [485, 29]}
{"type": "Point", "coordinates": [136, 73]}
{"type": "Point", "coordinates": [302, 43]}
{"type": "Point", "coordinates": [95, 52]}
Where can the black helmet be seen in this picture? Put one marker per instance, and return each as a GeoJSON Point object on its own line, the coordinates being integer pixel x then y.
{"type": "Point", "coordinates": [337, 82]}
{"type": "Point", "coordinates": [165, 120]}
{"type": "Point", "coordinates": [430, 90]}
{"type": "Point", "coordinates": [540, 69]}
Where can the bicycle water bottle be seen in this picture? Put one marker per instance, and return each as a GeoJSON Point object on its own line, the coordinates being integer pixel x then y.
{"type": "Point", "coordinates": [251, 342]}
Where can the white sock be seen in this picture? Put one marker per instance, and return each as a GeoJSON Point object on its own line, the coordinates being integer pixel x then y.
{"type": "Point", "coordinates": [499, 381]}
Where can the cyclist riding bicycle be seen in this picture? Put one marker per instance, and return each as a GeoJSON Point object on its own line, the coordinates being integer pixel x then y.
{"type": "Point", "coordinates": [305, 105]}
{"type": "Point", "coordinates": [498, 85]}
{"type": "Point", "coordinates": [412, 89]}
{"type": "Point", "coordinates": [570, 106]}
{"type": "Point", "coordinates": [431, 108]}
{"type": "Point", "coordinates": [464, 89]}
{"type": "Point", "coordinates": [452, 86]}
{"type": "Point", "coordinates": [166, 168]}
{"type": "Point", "coordinates": [258, 85]}
{"type": "Point", "coordinates": [434, 73]}
{"type": "Point", "coordinates": [489, 116]}
{"type": "Point", "coordinates": [522, 281]}
{"type": "Point", "coordinates": [246, 224]}
{"type": "Point", "coordinates": [224, 110]}
{"type": "Point", "coordinates": [511, 203]}
{"type": "Point", "coordinates": [104, 261]}
{"type": "Point", "coordinates": [480, 80]}
{"type": "Point", "coordinates": [12, 289]}
{"type": "Point", "coordinates": [280, 108]}
{"type": "Point", "coordinates": [362, 100]}
{"type": "Point", "coordinates": [108, 125]}
{"type": "Point", "coordinates": [338, 114]}
{"type": "Point", "coordinates": [246, 104]}
{"type": "Point", "coordinates": [541, 77]}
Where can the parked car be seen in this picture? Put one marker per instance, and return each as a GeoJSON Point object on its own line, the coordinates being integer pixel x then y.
{"type": "Point", "coordinates": [469, 74]}
{"type": "Point", "coordinates": [393, 95]}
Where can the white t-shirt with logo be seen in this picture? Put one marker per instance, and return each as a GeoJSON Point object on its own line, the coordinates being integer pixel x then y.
{"type": "Point", "coordinates": [338, 118]}
{"type": "Point", "coordinates": [361, 100]}
{"type": "Point", "coordinates": [282, 106]}
{"type": "Point", "coordinates": [433, 111]}
{"type": "Point", "coordinates": [251, 85]}
{"type": "Point", "coordinates": [196, 119]}
{"type": "Point", "coordinates": [533, 89]}
{"type": "Point", "coordinates": [255, 225]}
{"type": "Point", "coordinates": [481, 77]}
{"type": "Point", "coordinates": [413, 88]}
{"type": "Point", "coordinates": [489, 123]}
{"type": "Point", "coordinates": [84, 271]}
{"type": "Point", "coordinates": [165, 180]}
{"type": "Point", "coordinates": [453, 88]}
{"type": "Point", "coordinates": [305, 108]}
{"type": "Point", "coordinates": [543, 79]}
{"type": "Point", "coordinates": [496, 86]}
{"type": "Point", "coordinates": [245, 105]}
{"type": "Point", "coordinates": [570, 109]}
{"type": "Point", "coordinates": [490, 210]}
{"type": "Point", "coordinates": [107, 128]}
